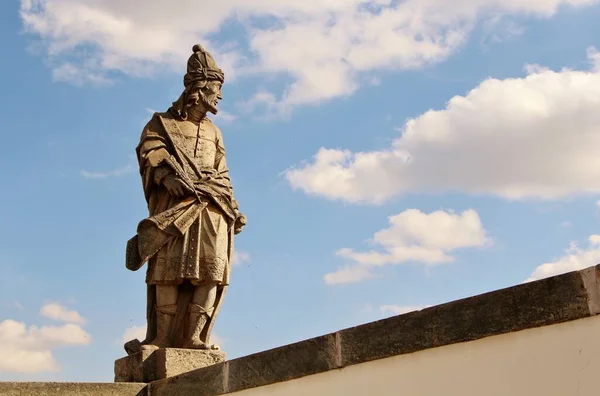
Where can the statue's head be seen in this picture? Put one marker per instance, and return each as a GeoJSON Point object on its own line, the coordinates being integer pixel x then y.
{"type": "Point", "coordinates": [202, 82]}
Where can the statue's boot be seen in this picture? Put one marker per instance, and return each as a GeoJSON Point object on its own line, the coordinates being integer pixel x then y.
{"type": "Point", "coordinates": [198, 318]}
{"type": "Point", "coordinates": [164, 318]}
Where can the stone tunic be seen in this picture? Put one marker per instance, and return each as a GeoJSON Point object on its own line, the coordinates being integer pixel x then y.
{"type": "Point", "coordinates": [200, 251]}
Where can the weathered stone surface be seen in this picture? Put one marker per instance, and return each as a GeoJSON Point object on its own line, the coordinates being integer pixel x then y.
{"type": "Point", "coordinates": [170, 361]}
{"type": "Point", "coordinates": [193, 216]}
{"type": "Point", "coordinates": [71, 389]}
{"type": "Point", "coordinates": [285, 363]}
{"type": "Point", "coordinates": [545, 302]}
{"type": "Point", "coordinates": [549, 301]}
{"type": "Point", "coordinates": [148, 366]}
{"type": "Point", "coordinates": [135, 368]}
{"type": "Point", "coordinates": [208, 381]}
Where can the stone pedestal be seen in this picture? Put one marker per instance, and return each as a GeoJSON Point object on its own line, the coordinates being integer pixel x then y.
{"type": "Point", "coordinates": [148, 366]}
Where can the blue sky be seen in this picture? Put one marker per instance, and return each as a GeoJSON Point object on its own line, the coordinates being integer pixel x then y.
{"type": "Point", "coordinates": [388, 155]}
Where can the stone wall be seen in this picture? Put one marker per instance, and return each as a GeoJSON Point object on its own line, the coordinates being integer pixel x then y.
{"type": "Point", "coordinates": [538, 338]}
{"type": "Point", "coordinates": [530, 332]}
{"type": "Point", "coordinates": [71, 389]}
{"type": "Point", "coordinates": [556, 360]}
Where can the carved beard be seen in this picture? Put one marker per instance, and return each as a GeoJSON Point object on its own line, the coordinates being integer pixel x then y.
{"type": "Point", "coordinates": [209, 106]}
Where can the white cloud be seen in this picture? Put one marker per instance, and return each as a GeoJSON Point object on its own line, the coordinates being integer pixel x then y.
{"type": "Point", "coordinates": [138, 332]}
{"type": "Point", "coordinates": [499, 28]}
{"type": "Point", "coordinates": [225, 116]}
{"type": "Point", "coordinates": [321, 45]}
{"type": "Point", "coordinates": [575, 259]}
{"type": "Point", "coordinates": [530, 137]}
{"type": "Point", "coordinates": [348, 274]}
{"type": "Point", "coordinates": [413, 236]}
{"type": "Point", "coordinates": [594, 57]}
{"type": "Point", "coordinates": [400, 309]}
{"type": "Point", "coordinates": [268, 102]}
{"type": "Point", "coordinates": [217, 339]}
{"type": "Point", "coordinates": [58, 312]}
{"type": "Point", "coordinates": [67, 72]}
{"type": "Point", "coordinates": [240, 257]}
{"type": "Point", "coordinates": [29, 350]}
{"type": "Point", "coordinates": [103, 175]}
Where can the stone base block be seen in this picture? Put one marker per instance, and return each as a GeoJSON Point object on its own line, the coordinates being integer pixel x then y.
{"type": "Point", "coordinates": [148, 366]}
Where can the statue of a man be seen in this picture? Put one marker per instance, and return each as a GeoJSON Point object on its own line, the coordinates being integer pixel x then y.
{"type": "Point", "coordinates": [187, 239]}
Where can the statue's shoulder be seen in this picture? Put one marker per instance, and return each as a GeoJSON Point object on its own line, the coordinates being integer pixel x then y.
{"type": "Point", "coordinates": [218, 135]}
{"type": "Point", "coordinates": [210, 122]}
{"type": "Point", "coordinates": [214, 126]}
{"type": "Point", "coordinates": [155, 124]}
{"type": "Point", "coordinates": [166, 115]}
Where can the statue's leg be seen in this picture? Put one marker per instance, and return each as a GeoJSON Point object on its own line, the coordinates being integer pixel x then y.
{"type": "Point", "coordinates": [150, 313]}
{"type": "Point", "coordinates": [200, 310]}
{"type": "Point", "coordinates": [166, 306]}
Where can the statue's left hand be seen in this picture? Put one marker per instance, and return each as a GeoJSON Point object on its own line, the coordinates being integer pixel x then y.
{"type": "Point", "coordinates": [240, 222]}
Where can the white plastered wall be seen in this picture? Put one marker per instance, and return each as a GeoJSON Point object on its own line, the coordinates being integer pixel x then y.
{"type": "Point", "coordinates": [557, 360]}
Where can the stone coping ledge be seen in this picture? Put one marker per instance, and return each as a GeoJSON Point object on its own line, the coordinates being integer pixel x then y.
{"type": "Point", "coordinates": [554, 300]}
{"type": "Point", "coordinates": [71, 389]}
{"type": "Point", "coordinates": [549, 301]}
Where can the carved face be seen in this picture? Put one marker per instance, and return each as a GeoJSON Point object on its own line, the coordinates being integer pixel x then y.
{"type": "Point", "coordinates": [212, 95]}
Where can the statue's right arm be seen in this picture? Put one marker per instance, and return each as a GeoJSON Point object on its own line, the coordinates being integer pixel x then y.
{"type": "Point", "coordinates": [156, 160]}
{"type": "Point", "coordinates": [164, 174]}
{"type": "Point", "coordinates": [154, 155]}
{"type": "Point", "coordinates": [152, 152]}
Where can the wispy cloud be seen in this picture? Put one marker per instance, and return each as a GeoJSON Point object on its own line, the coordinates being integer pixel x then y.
{"type": "Point", "coordinates": [225, 116]}
{"type": "Point", "coordinates": [217, 339]}
{"type": "Point", "coordinates": [103, 175]}
{"type": "Point", "coordinates": [58, 312]}
{"type": "Point", "coordinates": [348, 274]}
{"type": "Point", "coordinates": [240, 257]}
{"type": "Point", "coordinates": [12, 304]}
{"type": "Point", "coordinates": [566, 224]}
{"type": "Point", "coordinates": [67, 72]}
{"type": "Point", "coordinates": [131, 333]}
{"type": "Point", "coordinates": [400, 309]}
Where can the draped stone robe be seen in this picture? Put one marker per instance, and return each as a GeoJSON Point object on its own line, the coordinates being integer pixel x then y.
{"type": "Point", "coordinates": [190, 237]}
{"type": "Point", "coordinates": [193, 232]}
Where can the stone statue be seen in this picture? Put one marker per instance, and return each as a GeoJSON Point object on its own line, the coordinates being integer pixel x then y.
{"type": "Point", "coordinates": [187, 240]}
